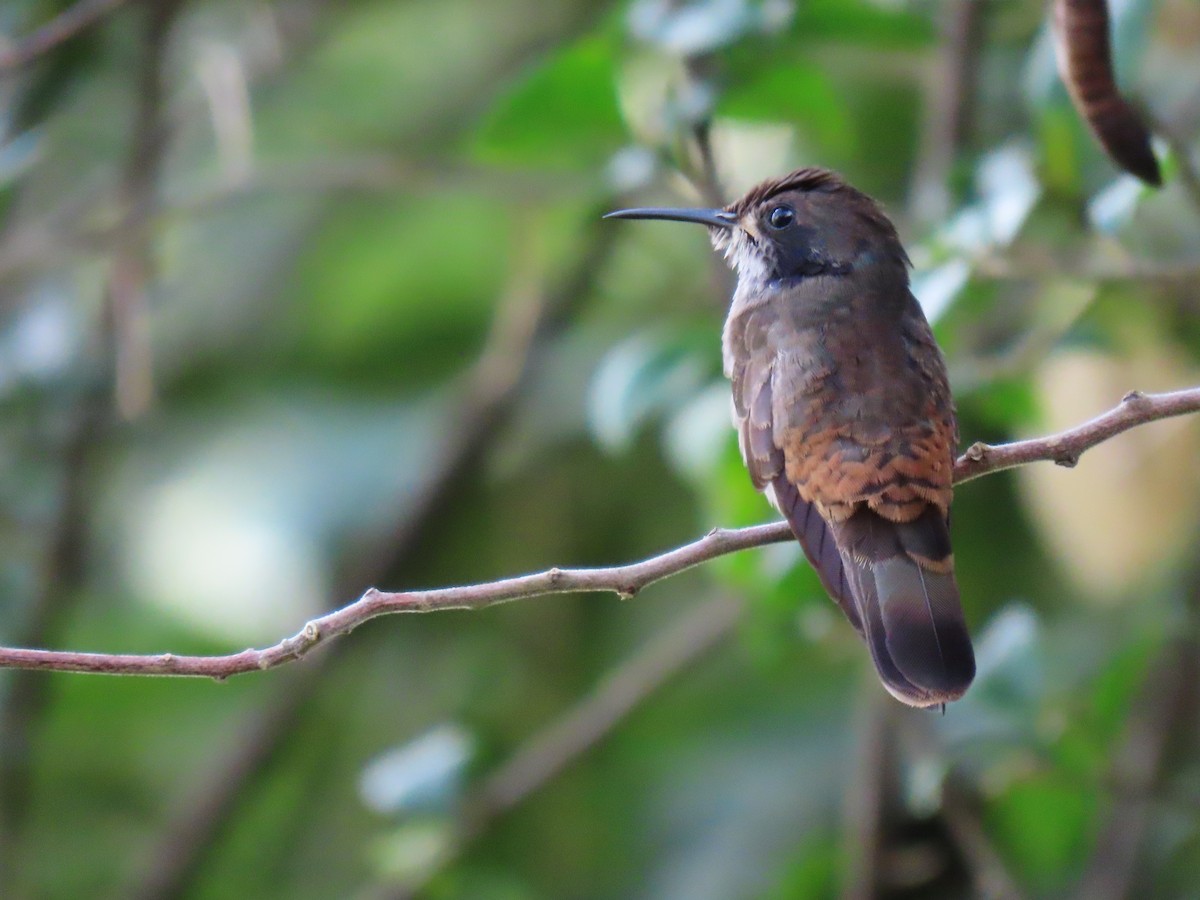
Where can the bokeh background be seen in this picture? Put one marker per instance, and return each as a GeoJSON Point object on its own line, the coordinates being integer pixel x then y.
{"type": "Point", "coordinates": [299, 297]}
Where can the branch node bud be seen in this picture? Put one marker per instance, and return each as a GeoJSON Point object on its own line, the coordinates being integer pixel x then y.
{"type": "Point", "coordinates": [978, 451]}
{"type": "Point", "coordinates": [1134, 398]}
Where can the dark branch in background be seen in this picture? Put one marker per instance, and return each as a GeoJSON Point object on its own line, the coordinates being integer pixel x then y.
{"type": "Point", "coordinates": [878, 817]}
{"type": "Point", "coordinates": [701, 171]}
{"type": "Point", "coordinates": [63, 569]}
{"type": "Point", "coordinates": [879, 821]}
{"type": "Point", "coordinates": [61, 28]}
{"type": "Point", "coordinates": [962, 813]}
{"type": "Point", "coordinates": [59, 579]}
{"type": "Point", "coordinates": [622, 690]}
{"type": "Point", "coordinates": [70, 230]}
{"type": "Point", "coordinates": [1161, 723]}
{"type": "Point", "coordinates": [963, 809]}
{"type": "Point", "coordinates": [552, 750]}
{"type": "Point", "coordinates": [180, 850]}
{"type": "Point", "coordinates": [949, 92]}
{"type": "Point", "coordinates": [871, 778]}
{"type": "Point", "coordinates": [1162, 708]}
{"type": "Point", "coordinates": [698, 163]}
{"type": "Point", "coordinates": [80, 225]}
{"type": "Point", "coordinates": [133, 264]}
{"type": "Point", "coordinates": [1064, 449]}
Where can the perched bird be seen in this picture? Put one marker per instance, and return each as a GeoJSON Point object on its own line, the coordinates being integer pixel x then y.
{"type": "Point", "coordinates": [844, 415]}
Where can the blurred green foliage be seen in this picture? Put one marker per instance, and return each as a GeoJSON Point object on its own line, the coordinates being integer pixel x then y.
{"type": "Point", "coordinates": [358, 200]}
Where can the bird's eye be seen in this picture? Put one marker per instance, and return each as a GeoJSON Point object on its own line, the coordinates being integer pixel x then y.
{"type": "Point", "coordinates": [782, 217]}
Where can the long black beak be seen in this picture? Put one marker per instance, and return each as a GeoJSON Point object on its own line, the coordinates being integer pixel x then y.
{"type": "Point", "coordinates": [714, 218]}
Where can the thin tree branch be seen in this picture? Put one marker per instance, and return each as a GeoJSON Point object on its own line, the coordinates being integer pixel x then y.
{"type": "Point", "coordinates": [61, 28]}
{"type": "Point", "coordinates": [1065, 448]}
{"type": "Point", "coordinates": [625, 581]}
{"type": "Point", "coordinates": [980, 459]}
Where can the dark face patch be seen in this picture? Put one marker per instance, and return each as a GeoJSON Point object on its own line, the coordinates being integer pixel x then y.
{"type": "Point", "coordinates": [801, 251]}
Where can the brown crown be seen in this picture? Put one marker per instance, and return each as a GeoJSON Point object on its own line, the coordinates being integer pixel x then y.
{"type": "Point", "coordinates": [807, 179]}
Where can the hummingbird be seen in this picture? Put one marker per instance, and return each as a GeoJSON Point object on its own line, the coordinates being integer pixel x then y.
{"type": "Point", "coordinates": [844, 415]}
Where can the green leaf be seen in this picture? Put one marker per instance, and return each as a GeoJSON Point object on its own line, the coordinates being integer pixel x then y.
{"type": "Point", "coordinates": [812, 873]}
{"type": "Point", "coordinates": [563, 114]}
{"type": "Point", "coordinates": [1116, 689]}
{"type": "Point", "coordinates": [1006, 403]}
{"type": "Point", "coordinates": [410, 277]}
{"type": "Point", "coordinates": [862, 23]}
{"type": "Point", "coordinates": [799, 93]}
{"type": "Point", "coordinates": [1043, 824]}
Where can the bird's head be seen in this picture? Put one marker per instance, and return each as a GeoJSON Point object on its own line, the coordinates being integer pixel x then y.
{"type": "Point", "coordinates": [807, 223]}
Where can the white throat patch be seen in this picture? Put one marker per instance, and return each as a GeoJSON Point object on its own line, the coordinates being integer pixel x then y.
{"type": "Point", "coordinates": [743, 254]}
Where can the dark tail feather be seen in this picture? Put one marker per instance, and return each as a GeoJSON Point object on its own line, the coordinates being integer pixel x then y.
{"type": "Point", "coordinates": [819, 546]}
{"type": "Point", "coordinates": [863, 581]}
{"type": "Point", "coordinates": [902, 576]}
